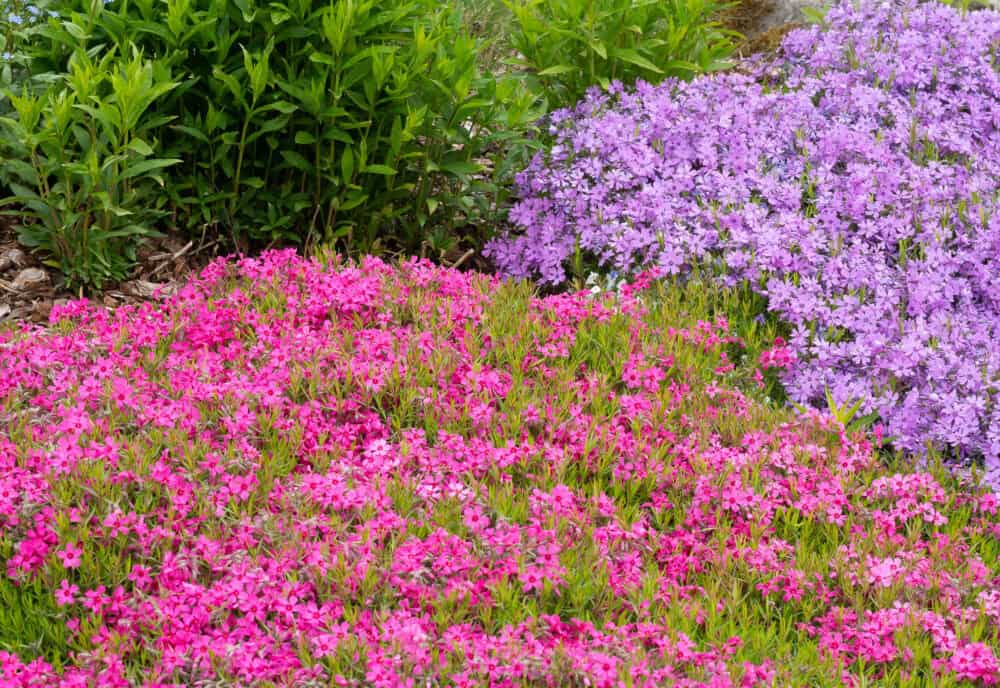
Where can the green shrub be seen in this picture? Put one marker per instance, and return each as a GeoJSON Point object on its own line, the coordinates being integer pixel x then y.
{"type": "Point", "coordinates": [571, 45]}
{"type": "Point", "coordinates": [79, 159]}
{"type": "Point", "coordinates": [355, 121]}
{"type": "Point", "coordinates": [18, 20]}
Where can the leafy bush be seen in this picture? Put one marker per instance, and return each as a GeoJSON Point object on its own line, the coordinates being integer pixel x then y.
{"type": "Point", "coordinates": [16, 17]}
{"type": "Point", "coordinates": [858, 193]}
{"type": "Point", "coordinates": [80, 162]}
{"type": "Point", "coordinates": [572, 45]}
{"type": "Point", "coordinates": [357, 120]}
{"type": "Point", "coordinates": [307, 473]}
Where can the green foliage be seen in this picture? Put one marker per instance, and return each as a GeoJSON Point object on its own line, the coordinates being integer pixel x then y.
{"type": "Point", "coordinates": [31, 624]}
{"type": "Point", "coordinates": [571, 45]}
{"type": "Point", "coordinates": [79, 157]}
{"type": "Point", "coordinates": [17, 19]}
{"type": "Point", "coordinates": [688, 300]}
{"type": "Point", "coordinates": [356, 121]}
{"type": "Point", "coordinates": [845, 413]}
{"type": "Point", "coordinates": [368, 125]}
{"type": "Point", "coordinates": [491, 22]}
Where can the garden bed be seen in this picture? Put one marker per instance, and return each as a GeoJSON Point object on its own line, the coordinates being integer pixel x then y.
{"type": "Point", "coordinates": [316, 471]}
{"type": "Point", "coordinates": [852, 181]}
{"type": "Point", "coordinates": [304, 472]}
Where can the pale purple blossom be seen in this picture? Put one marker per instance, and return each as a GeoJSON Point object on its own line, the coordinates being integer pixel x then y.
{"type": "Point", "coordinates": [853, 180]}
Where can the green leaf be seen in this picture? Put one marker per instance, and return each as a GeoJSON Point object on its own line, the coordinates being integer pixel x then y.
{"type": "Point", "coordinates": [322, 58]}
{"type": "Point", "coordinates": [460, 168]}
{"type": "Point", "coordinates": [75, 30]}
{"type": "Point", "coordinates": [191, 131]}
{"type": "Point", "coordinates": [383, 170]}
{"type": "Point", "coordinates": [337, 134]}
{"type": "Point", "coordinates": [232, 85]}
{"type": "Point", "coordinates": [598, 48]}
{"type": "Point", "coordinates": [21, 193]}
{"type": "Point", "coordinates": [396, 135]}
{"type": "Point", "coordinates": [23, 170]}
{"type": "Point", "coordinates": [555, 70]}
{"type": "Point", "coordinates": [354, 202]}
{"type": "Point", "coordinates": [282, 106]}
{"type": "Point", "coordinates": [633, 57]}
{"type": "Point", "coordinates": [270, 125]}
{"type": "Point", "coordinates": [680, 66]}
{"type": "Point", "coordinates": [297, 160]}
{"type": "Point", "coordinates": [140, 147]}
{"type": "Point", "coordinates": [347, 166]}
{"type": "Point", "coordinates": [814, 15]}
{"type": "Point", "coordinates": [143, 166]}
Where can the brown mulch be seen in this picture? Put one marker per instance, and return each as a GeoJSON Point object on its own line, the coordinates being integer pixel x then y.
{"type": "Point", "coordinates": [753, 20]}
{"type": "Point", "coordinates": [29, 289]}
{"type": "Point", "coordinates": [746, 16]}
{"type": "Point", "coordinates": [768, 41]}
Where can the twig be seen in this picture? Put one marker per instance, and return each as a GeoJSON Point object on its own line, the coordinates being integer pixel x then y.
{"type": "Point", "coordinates": [173, 257]}
{"type": "Point", "coordinates": [201, 242]}
{"type": "Point", "coordinates": [183, 250]}
{"type": "Point", "coordinates": [463, 258]}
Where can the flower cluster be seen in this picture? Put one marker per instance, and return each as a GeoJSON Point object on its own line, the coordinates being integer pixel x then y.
{"type": "Point", "coordinates": [307, 473]}
{"type": "Point", "coordinates": [853, 181]}
{"type": "Point", "coordinates": [780, 356]}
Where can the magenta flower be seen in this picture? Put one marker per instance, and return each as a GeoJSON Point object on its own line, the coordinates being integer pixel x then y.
{"type": "Point", "coordinates": [504, 507]}
{"type": "Point", "coordinates": [975, 662]}
{"type": "Point", "coordinates": [70, 556]}
{"type": "Point", "coordinates": [66, 593]}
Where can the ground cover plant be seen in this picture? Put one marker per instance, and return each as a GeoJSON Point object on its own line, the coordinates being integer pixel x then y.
{"type": "Point", "coordinates": [310, 472]}
{"type": "Point", "coordinates": [853, 181]}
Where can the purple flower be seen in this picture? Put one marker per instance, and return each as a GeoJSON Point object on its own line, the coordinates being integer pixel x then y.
{"type": "Point", "coordinates": [853, 180]}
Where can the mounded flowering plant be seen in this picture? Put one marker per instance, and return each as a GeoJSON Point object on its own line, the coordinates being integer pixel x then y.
{"type": "Point", "coordinates": [853, 181]}
{"type": "Point", "coordinates": [309, 473]}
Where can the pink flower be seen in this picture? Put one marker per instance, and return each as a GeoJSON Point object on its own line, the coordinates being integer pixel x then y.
{"type": "Point", "coordinates": [71, 555]}
{"type": "Point", "coordinates": [140, 576]}
{"type": "Point", "coordinates": [883, 573]}
{"type": "Point", "coordinates": [414, 545]}
{"type": "Point", "coordinates": [475, 520]}
{"type": "Point", "coordinates": [975, 662]}
{"type": "Point", "coordinates": [66, 593]}
{"type": "Point", "coordinates": [779, 356]}
{"type": "Point", "coordinates": [531, 579]}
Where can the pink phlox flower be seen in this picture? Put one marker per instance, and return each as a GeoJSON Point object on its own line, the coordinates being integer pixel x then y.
{"type": "Point", "coordinates": [71, 555]}
{"type": "Point", "coordinates": [66, 593]}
